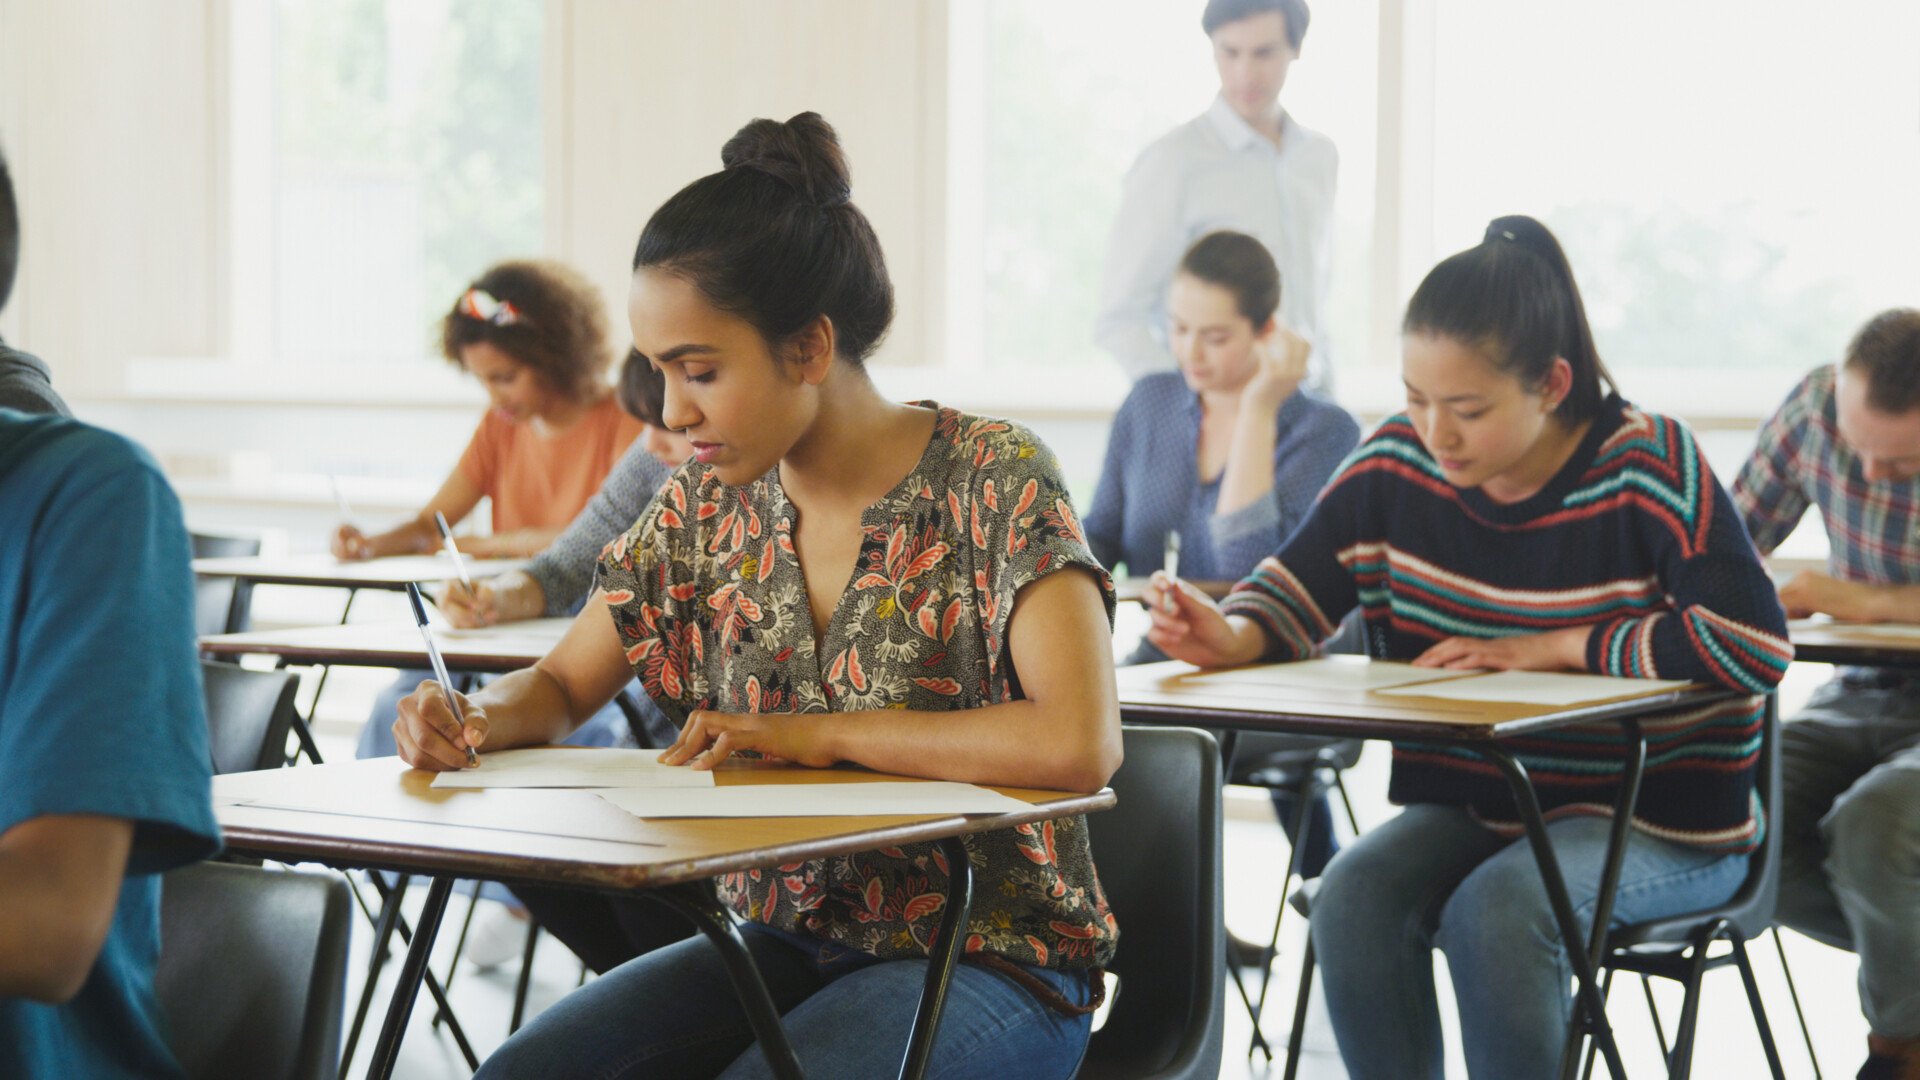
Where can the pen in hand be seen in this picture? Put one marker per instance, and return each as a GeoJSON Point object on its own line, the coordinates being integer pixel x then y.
{"type": "Point", "coordinates": [453, 550]}
{"type": "Point", "coordinates": [440, 666]}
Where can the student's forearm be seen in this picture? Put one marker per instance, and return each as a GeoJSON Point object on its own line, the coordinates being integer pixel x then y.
{"type": "Point", "coordinates": [994, 744]}
{"type": "Point", "coordinates": [416, 537]}
{"type": "Point", "coordinates": [1887, 603]}
{"type": "Point", "coordinates": [529, 708]}
{"type": "Point", "coordinates": [1249, 473]}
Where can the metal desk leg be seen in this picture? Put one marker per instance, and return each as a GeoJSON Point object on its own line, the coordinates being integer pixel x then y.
{"type": "Point", "coordinates": [1588, 994]}
{"type": "Point", "coordinates": [1624, 801]}
{"type": "Point", "coordinates": [697, 902]}
{"type": "Point", "coordinates": [384, 928]}
{"type": "Point", "coordinates": [386, 1050]}
{"type": "Point", "coordinates": [953, 933]}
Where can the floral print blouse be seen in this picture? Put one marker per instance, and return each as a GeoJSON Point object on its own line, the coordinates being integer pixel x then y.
{"type": "Point", "coordinates": [711, 606]}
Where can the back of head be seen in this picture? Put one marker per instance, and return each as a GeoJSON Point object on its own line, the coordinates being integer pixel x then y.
{"type": "Point", "coordinates": [1513, 297]}
{"type": "Point", "coordinates": [1887, 352]}
{"type": "Point", "coordinates": [773, 238]}
{"type": "Point", "coordinates": [9, 232]}
{"type": "Point", "coordinates": [1219, 13]}
{"type": "Point", "coordinates": [543, 314]}
{"type": "Point", "coordinates": [1241, 265]}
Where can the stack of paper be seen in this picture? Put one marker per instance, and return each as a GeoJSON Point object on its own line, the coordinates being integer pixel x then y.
{"type": "Point", "coordinates": [1537, 688]}
{"type": "Point", "coordinates": [635, 781]}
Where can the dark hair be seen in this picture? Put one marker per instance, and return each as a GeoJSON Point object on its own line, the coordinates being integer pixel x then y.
{"type": "Point", "coordinates": [642, 389]}
{"type": "Point", "coordinates": [9, 232]}
{"type": "Point", "coordinates": [1221, 12]}
{"type": "Point", "coordinates": [1887, 352]}
{"type": "Point", "coordinates": [772, 238]}
{"type": "Point", "coordinates": [1241, 265]}
{"type": "Point", "coordinates": [1513, 295]}
{"type": "Point", "coordinates": [558, 328]}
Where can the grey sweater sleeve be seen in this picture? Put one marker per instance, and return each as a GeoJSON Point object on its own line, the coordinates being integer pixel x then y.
{"type": "Point", "coordinates": [565, 569]}
{"type": "Point", "coordinates": [25, 385]}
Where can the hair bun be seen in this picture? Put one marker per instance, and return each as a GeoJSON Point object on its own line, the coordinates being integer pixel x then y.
{"type": "Point", "coordinates": [803, 153]}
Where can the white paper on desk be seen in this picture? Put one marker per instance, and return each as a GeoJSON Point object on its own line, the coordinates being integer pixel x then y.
{"type": "Point", "coordinates": [1536, 688]}
{"type": "Point", "coordinates": [1329, 673]}
{"type": "Point", "coordinates": [881, 798]}
{"type": "Point", "coordinates": [1888, 631]}
{"type": "Point", "coordinates": [547, 767]}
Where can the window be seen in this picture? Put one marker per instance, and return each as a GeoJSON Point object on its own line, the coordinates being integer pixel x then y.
{"type": "Point", "coordinates": [385, 152]}
{"type": "Point", "coordinates": [1050, 104]}
{"type": "Point", "coordinates": [1733, 181]}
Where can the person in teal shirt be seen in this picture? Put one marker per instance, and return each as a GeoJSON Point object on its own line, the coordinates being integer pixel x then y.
{"type": "Point", "coordinates": [105, 772]}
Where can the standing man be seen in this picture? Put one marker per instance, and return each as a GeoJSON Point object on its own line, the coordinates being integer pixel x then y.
{"type": "Point", "coordinates": [1244, 164]}
{"type": "Point", "coordinates": [1848, 440]}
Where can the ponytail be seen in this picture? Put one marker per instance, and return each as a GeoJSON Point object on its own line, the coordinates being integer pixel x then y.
{"type": "Point", "coordinates": [1513, 295]}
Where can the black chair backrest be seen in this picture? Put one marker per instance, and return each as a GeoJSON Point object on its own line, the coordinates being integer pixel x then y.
{"type": "Point", "coordinates": [214, 607]}
{"type": "Point", "coordinates": [1158, 856]}
{"type": "Point", "coordinates": [1750, 910]}
{"type": "Point", "coordinates": [252, 971]}
{"type": "Point", "coordinates": [249, 714]}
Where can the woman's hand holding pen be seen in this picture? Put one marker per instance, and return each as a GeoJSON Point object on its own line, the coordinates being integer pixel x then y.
{"type": "Point", "coordinates": [709, 738]}
{"type": "Point", "coordinates": [350, 543]}
{"type": "Point", "coordinates": [1188, 625]}
{"type": "Point", "coordinates": [427, 735]}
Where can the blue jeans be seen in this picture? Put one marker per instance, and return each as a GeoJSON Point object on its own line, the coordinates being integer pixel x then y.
{"type": "Point", "coordinates": [1850, 840]}
{"type": "Point", "coordinates": [1434, 877]}
{"type": "Point", "coordinates": [673, 1013]}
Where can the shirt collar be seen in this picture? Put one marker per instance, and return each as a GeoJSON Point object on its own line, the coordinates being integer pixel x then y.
{"type": "Point", "coordinates": [1234, 130]}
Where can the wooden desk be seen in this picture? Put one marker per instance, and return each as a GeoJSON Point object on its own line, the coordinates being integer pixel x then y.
{"type": "Point", "coordinates": [324, 571]}
{"type": "Point", "coordinates": [487, 650]}
{"type": "Point", "coordinates": [1823, 641]}
{"type": "Point", "coordinates": [1177, 693]}
{"type": "Point", "coordinates": [1129, 590]}
{"type": "Point", "coordinates": [379, 814]}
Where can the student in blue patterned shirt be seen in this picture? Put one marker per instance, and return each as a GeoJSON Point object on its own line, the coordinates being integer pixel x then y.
{"type": "Point", "coordinates": [1517, 516]}
{"type": "Point", "coordinates": [1847, 440]}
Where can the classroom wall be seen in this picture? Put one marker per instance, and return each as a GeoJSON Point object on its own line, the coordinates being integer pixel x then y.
{"type": "Point", "coordinates": [106, 112]}
{"type": "Point", "coordinates": [641, 97]}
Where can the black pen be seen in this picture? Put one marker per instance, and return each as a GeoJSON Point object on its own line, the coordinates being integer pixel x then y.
{"type": "Point", "coordinates": [439, 667]}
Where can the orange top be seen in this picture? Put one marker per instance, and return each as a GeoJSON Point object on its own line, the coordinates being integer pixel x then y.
{"type": "Point", "coordinates": [543, 481]}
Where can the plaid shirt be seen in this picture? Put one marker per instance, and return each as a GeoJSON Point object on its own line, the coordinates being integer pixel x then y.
{"type": "Point", "coordinates": [1873, 529]}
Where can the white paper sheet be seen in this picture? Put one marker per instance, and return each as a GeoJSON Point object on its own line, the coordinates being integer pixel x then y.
{"type": "Point", "coordinates": [882, 798]}
{"type": "Point", "coordinates": [1330, 673]}
{"type": "Point", "coordinates": [554, 768]}
{"type": "Point", "coordinates": [1888, 631]}
{"type": "Point", "coordinates": [1536, 688]}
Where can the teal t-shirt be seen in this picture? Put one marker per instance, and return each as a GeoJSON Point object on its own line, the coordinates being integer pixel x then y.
{"type": "Point", "coordinates": [100, 713]}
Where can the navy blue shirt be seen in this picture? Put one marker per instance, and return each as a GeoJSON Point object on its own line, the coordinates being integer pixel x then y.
{"type": "Point", "coordinates": [1151, 483]}
{"type": "Point", "coordinates": [100, 713]}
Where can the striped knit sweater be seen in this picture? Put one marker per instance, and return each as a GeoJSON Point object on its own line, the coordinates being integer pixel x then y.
{"type": "Point", "coordinates": [1633, 537]}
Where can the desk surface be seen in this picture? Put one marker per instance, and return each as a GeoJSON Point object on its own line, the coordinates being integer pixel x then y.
{"type": "Point", "coordinates": [324, 570]}
{"type": "Point", "coordinates": [1175, 692]}
{"type": "Point", "coordinates": [1824, 641]}
{"type": "Point", "coordinates": [487, 650]}
{"type": "Point", "coordinates": [382, 814]}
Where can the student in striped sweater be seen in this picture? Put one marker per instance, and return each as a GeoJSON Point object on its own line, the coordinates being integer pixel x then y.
{"type": "Point", "coordinates": [1519, 514]}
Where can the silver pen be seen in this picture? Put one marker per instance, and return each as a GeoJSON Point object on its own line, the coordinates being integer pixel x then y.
{"type": "Point", "coordinates": [453, 550]}
{"type": "Point", "coordinates": [439, 667]}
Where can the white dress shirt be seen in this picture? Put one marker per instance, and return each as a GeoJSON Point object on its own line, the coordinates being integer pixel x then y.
{"type": "Point", "coordinates": [1216, 172]}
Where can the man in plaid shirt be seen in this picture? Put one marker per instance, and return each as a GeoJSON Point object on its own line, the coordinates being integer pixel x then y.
{"type": "Point", "coordinates": [1848, 440]}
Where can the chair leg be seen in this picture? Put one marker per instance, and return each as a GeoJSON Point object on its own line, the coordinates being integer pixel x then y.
{"type": "Point", "coordinates": [1759, 1010]}
{"type": "Point", "coordinates": [1298, 837]}
{"type": "Point", "coordinates": [459, 945]}
{"type": "Point", "coordinates": [1794, 992]}
{"type": "Point", "coordinates": [1340, 785]}
{"type": "Point", "coordinates": [1298, 1032]}
{"type": "Point", "coordinates": [526, 976]}
{"type": "Point", "coordinates": [1653, 1010]}
{"type": "Point", "coordinates": [1680, 1065]}
{"type": "Point", "coordinates": [1593, 1045]}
